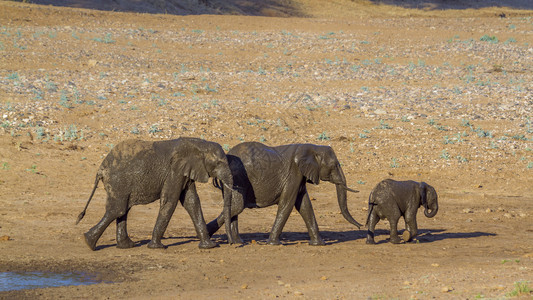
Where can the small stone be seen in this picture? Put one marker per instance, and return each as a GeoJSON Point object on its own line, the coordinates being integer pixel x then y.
{"type": "Point", "coordinates": [4, 238]}
{"type": "Point", "coordinates": [468, 211]}
{"type": "Point", "coordinates": [287, 285]}
{"type": "Point", "coordinates": [280, 282]}
{"type": "Point", "coordinates": [406, 235]}
{"type": "Point", "coordinates": [254, 242]}
{"type": "Point", "coordinates": [298, 293]}
{"type": "Point", "coordinates": [507, 215]}
{"type": "Point", "coordinates": [380, 111]}
{"type": "Point", "coordinates": [323, 278]}
{"type": "Point", "coordinates": [244, 286]}
{"type": "Point", "coordinates": [446, 289]}
{"type": "Point", "coordinates": [92, 63]}
{"type": "Point", "coordinates": [435, 265]}
{"type": "Point", "coordinates": [489, 210]}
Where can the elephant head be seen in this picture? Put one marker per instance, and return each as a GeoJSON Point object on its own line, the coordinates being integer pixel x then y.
{"type": "Point", "coordinates": [206, 159]}
{"type": "Point", "coordinates": [320, 163]}
{"type": "Point", "coordinates": [428, 198]}
{"type": "Point", "coordinates": [198, 159]}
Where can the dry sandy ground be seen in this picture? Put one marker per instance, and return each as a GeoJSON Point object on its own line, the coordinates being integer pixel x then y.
{"type": "Point", "coordinates": [443, 97]}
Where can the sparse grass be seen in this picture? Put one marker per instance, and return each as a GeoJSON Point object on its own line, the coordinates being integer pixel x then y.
{"type": "Point", "coordinates": [521, 288]}
{"type": "Point", "coordinates": [383, 125]}
{"type": "Point", "coordinates": [107, 39]}
{"type": "Point", "coordinates": [444, 155]}
{"type": "Point", "coordinates": [323, 136]}
{"type": "Point", "coordinates": [394, 163]}
{"type": "Point", "coordinates": [491, 39]}
{"type": "Point", "coordinates": [154, 129]}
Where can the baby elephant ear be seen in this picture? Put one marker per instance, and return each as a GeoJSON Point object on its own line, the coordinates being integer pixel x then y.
{"type": "Point", "coordinates": [308, 165]}
{"type": "Point", "coordinates": [423, 187]}
{"type": "Point", "coordinates": [190, 165]}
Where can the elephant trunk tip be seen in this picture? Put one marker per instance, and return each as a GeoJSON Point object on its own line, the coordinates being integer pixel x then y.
{"type": "Point", "coordinates": [430, 213]}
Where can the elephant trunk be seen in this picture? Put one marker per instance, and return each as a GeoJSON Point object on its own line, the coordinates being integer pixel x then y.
{"type": "Point", "coordinates": [342, 198]}
{"type": "Point", "coordinates": [227, 186]}
{"type": "Point", "coordinates": [430, 212]}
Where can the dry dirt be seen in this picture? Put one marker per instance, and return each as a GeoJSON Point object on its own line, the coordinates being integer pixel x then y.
{"type": "Point", "coordinates": [442, 96]}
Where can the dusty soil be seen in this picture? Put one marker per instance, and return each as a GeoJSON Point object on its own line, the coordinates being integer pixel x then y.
{"type": "Point", "coordinates": [442, 96]}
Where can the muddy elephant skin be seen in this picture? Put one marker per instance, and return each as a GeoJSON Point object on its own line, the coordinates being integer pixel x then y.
{"type": "Point", "coordinates": [140, 172]}
{"type": "Point", "coordinates": [264, 176]}
{"type": "Point", "coordinates": [392, 199]}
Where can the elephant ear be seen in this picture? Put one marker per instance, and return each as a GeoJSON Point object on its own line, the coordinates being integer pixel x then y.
{"type": "Point", "coordinates": [308, 165]}
{"type": "Point", "coordinates": [423, 187]}
{"type": "Point", "coordinates": [189, 162]}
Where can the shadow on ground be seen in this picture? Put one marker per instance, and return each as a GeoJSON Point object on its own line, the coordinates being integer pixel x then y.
{"type": "Point", "coordinates": [278, 8]}
{"type": "Point", "coordinates": [457, 4]}
{"type": "Point", "coordinates": [330, 237]}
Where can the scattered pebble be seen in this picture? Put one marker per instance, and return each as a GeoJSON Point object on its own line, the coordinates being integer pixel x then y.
{"type": "Point", "coordinates": [446, 289]}
{"type": "Point", "coordinates": [468, 211]}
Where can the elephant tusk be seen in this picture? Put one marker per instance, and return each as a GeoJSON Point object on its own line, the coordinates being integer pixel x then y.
{"type": "Point", "coordinates": [350, 190]}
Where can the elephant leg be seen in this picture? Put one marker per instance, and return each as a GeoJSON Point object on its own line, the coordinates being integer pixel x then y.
{"type": "Point", "coordinates": [235, 230]}
{"type": "Point", "coordinates": [115, 208]}
{"type": "Point", "coordinates": [285, 206]}
{"type": "Point", "coordinates": [394, 238]}
{"type": "Point", "coordinates": [166, 210]}
{"type": "Point", "coordinates": [123, 240]}
{"type": "Point", "coordinates": [305, 208]}
{"type": "Point", "coordinates": [373, 219]}
{"type": "Point", "coordinates": [191, 203]}
{"type": "Point", "coordinates": [412, 227]}
{"type": "Point", "coordinates": [237, 206]}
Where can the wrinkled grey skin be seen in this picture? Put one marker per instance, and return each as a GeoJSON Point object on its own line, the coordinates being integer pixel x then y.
{"type": "Point", "coordinates": [140, 172]}
{"type": "Point", "coordinates": [264, 176]}
{"type": "Point", "coordinates": [392, 199]}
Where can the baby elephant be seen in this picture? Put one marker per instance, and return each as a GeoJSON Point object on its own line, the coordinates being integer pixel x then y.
{"type": "Point", "coordinates": [392, 199]}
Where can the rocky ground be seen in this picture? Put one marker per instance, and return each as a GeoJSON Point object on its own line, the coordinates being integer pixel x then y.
{"type": "Point", "coordinates": [438, 96]}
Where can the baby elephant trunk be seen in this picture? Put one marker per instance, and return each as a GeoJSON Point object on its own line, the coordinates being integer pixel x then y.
{"type": "Point", "coordinates": [431, 212]}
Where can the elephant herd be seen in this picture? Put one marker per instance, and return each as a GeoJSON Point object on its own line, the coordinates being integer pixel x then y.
{"type": "Point", "coordinates": [250, 175]}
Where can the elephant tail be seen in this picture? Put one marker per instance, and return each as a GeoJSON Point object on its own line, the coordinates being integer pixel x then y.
{"type": "Point", "coordinates": [82, 214]}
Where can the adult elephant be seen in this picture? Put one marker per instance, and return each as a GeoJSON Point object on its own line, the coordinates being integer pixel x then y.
{"type": "Point", "coordinates": [265, 176]}
{"type": "Point", "coordinates": [140, 172]}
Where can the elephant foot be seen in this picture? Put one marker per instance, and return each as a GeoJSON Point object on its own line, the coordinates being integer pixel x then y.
{"type": "Point", "coordinates": [89, 241]}
{"type": "Point", "coordinates": [370, 241]}
{"type": "Point", "coordinates": [318, 242]}
{"type": "Point", "coordinates": [156, 245]}
{"type": "Point", "coordinates": [274, 242]}
{"type": "Point", "coordinates": [236, 240]}
{"type": "Point", "coordinates": [125, 244]}
{"type": "Point", "coordinates": [395, 240]}
{"type": "Point", "coordinates": [207, 244]}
